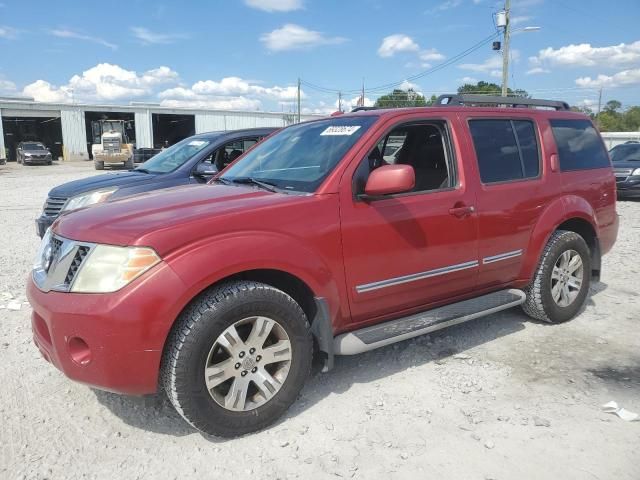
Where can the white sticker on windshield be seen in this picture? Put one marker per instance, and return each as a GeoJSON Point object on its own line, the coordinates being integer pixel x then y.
{"type": "Point", "coordinates": [341, 130]}
{"type": "Point", "coordinates": [197, 143]}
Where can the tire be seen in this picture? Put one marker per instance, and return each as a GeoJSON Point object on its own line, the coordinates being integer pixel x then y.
{"type": "Point", "coordinates": [99, 165]}
{"type": "Point", "coordinates": [540, 303]}
{"type": "Point", "coordinates": [194, 339]}
{"type": "Point", "coordinates": [129, 164]}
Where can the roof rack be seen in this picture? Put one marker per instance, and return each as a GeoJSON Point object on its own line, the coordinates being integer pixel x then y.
{"type": "Point", "coordinates": [363, 109]}
{"type": "Point", "coordinates": [514, 102]}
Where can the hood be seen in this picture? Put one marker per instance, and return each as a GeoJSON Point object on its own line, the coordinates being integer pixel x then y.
{"type": "Point", "coordinates": [180, 213]}
{"type": "Point", "coordinates": [119, 179]}
{"type": "Point", "coordinates": [627, 164]}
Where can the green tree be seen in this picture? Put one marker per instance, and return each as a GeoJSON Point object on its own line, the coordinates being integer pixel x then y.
{"type": "Point", "coordinates": [401, 98]}
{"type": "Point", "coordinates": [487, 88]}
{"type": "Point", "coordinates": [612, 106]}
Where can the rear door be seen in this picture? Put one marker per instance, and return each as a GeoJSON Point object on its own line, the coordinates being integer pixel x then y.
{"type": "Point", "coordinates": [406, 251]}
{"type": "Point", "coordinates": [512, 193]}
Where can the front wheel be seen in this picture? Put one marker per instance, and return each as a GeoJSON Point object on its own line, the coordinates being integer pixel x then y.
{"type": "Point", "coordinates": [237, 358]}
{"type": "Point", "coordinates": [99, 165]}
{"type": "Point", "coordinates": [561, 282]}
{"type": "Point", "coordinates": [129, 164]}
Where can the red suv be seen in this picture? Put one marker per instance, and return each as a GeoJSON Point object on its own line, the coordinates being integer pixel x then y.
{"type": "Point", "coordinates": [332, 237]}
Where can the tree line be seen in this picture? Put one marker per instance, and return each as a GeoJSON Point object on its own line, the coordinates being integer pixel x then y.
{"type": "Point", "coordinates": [612, 118]}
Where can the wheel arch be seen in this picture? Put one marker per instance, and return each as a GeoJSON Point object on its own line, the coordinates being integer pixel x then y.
{"type": "Point", "coordinates": [569, 213]}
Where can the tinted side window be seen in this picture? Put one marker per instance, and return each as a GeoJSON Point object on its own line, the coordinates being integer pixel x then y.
{"type": "Point", "coordinates": [528, 147]}
{"type": "Point", "coordinates": [579, 146]}
{"type": "Point", "coordinates": [501, 154]}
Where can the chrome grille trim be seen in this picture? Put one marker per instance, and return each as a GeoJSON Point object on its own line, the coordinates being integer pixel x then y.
{"type": "Point", "coordinates": [53, 206]}
{"type": "Point", "coordinates": [67, 257]}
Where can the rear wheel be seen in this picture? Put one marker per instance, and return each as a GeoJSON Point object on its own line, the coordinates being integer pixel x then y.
{"type": "Point", "coordinates": [237, 358]}
{"type": "Point", "coordinates": [99, 165]}
{"type": "Point", "coordinates": [561, 283]}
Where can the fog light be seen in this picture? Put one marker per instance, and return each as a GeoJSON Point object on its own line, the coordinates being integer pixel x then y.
{"type": "Point", "coordinates": [79, 351]}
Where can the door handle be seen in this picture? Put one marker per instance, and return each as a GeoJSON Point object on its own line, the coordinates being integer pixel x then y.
{"type": "Point", "coordinates": [462, 211]}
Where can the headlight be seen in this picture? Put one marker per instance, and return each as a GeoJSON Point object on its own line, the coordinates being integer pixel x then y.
{"type": "Point", "coordinates": [636, 172]}
{"type": "Point", "coordinates": [88, 198]}
{"type": "Point", "coordinates": [109, 268]}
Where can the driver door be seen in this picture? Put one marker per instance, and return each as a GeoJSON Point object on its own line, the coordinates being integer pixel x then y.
{"type": "Point", "coordinates": [407, 251]}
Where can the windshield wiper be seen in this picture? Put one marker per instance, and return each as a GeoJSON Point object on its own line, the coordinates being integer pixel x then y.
{"type": "Point", "coordinates": [253, 181]}
{"type": "Point", "coordinates": [143, 170]}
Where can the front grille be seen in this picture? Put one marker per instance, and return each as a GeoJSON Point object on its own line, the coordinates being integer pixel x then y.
{"type": "Point", "coordinates": [65, 262]}
{"type": "Point", "coordinates": [111, 145]}
{"type": "Point", "coordinates": [56, 244]}
{"type": "Point", "coordinates": [53, 206]}
{"type": "Point", "coordinates": [75, 264]}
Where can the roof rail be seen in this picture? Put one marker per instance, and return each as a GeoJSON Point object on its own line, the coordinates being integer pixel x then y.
{"type": "Point", "coordinates": [514, 102]}
{"type": "Point", "coordinates": [363, 109]}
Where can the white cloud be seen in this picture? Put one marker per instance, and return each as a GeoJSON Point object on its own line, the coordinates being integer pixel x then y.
{"type": "Point", "coordinates": [465, 80]}
{"type": "Point", "coordinates": [275, 5]}
{"type": "Point", "coordinates": [104, 82]}
{"type": "Point", "coordinates": [7, 32]}
{"type": "Point", "coordinates": [519, 19]}
{"type": "Point", "coordinates": [397, 43]}
{"type": "Point", "coordinates": [295, 37]}
{"type": "Point", "coordinates": [407, 85]}
{"type": "Point", "coordinates": [537, 71]}
{"type": "Point", "coordinates": [228, 93]}
{"type": "Point", "coordinates": [7, 87]}
{"type": "Point", "coordinates": [625, 77]}
{"type": "Point", "coordinates": [584, 55]}
{"type": "Point", "coordinates": [491, 66]}
{"type": "Point", "coordinates": [430, 55]}
{"type": "Point", "coordinates": [147, 37]}
{"type": "Point", "coordinates": [66, 33]}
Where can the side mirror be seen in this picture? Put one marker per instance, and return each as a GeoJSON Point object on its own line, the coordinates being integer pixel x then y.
{"type": "Point", "coordinates": [204, 169]}
{"type": "Point", "coordinates": [390, 179]}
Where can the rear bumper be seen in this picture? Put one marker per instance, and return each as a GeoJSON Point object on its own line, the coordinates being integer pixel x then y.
{"type": "Point", "coordinates": [110, 341]}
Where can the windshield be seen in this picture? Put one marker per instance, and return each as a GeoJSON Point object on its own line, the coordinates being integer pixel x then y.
{"type": "Point", "coordinates": [111, 126]}
{"type": "Point", "coordinates": [175, 156]}
{"type": "Point", "coordinates": [625, 153]}
{"type": "Point", "coordinates": [300, 157]}
{"type": "Point", "coordinates": [33, 146]}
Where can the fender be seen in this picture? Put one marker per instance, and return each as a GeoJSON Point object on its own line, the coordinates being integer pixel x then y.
{"type": "Point", "coordinates": [557, 212]}
{"type": "Point", "coordinates": [212, 259]}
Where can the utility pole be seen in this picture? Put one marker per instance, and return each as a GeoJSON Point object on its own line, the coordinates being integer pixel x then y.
{"type": "Point", "coordinates": [298, 99]}
{"type": "Point", "coordinates": [599, 107]}
{"type": "Point", "coordinates": [505, 48]}
{"type": "Point", "coordinates": [339, 101]}
{"type": "Point", "coordinates": [363, 91]}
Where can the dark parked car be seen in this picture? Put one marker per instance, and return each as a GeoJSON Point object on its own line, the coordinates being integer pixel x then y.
{"type": "Point", "coordinates": [626, 165]}
{"type": "Point", "coordinates": [193, 160]}
{"type": "Point", "coordinates": [141, 155]}
{"type": "Point", "coordinates": [30, 153]}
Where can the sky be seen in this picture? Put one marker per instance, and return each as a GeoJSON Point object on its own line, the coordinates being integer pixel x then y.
{"type": "Point", "coordinates": [248, 54]}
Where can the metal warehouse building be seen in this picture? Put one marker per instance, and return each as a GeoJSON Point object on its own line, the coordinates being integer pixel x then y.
{"type": "Point", "coordinates": [66, 129]}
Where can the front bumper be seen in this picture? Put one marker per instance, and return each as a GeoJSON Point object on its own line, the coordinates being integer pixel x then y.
{"type": "Point", "coordinates": [33, 161]}
{"type": "Point", "coordinates": [42, 223]}
{"type": "Point", "coordinates": [112, 157]}
{"type": "Point", "coordinates": [630, 187]}
{"type": "Point", "coordinates": [121, 334]}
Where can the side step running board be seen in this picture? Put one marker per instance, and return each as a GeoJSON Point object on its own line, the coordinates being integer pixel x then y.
{"type": "Point", "coordinates": [393, 331]}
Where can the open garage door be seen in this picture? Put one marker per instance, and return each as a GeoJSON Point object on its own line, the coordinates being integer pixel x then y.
{"type": "Point", "coordinates": [169, 128]}
{"type": "Point", "coordinates": [93, 136]}
{"type": "Point", "coordinates": [47, 130]}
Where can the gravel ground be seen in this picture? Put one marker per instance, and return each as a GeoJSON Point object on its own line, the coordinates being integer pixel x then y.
{"type": "Point", "coordinates": [500, 397]}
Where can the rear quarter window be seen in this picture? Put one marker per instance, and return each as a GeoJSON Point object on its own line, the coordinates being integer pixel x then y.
{"type": "Point", "coordinates": [579, 145]}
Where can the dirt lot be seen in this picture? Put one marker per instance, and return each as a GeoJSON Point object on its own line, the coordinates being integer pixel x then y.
{"type": "Point", "coordinates": [501, 397]}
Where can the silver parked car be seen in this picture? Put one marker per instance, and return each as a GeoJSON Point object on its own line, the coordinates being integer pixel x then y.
{"type": "Point", "coordinates": [30, 153]}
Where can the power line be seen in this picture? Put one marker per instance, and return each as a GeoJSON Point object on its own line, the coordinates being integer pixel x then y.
{"type": "Point", "coordinates": [411, 78]}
